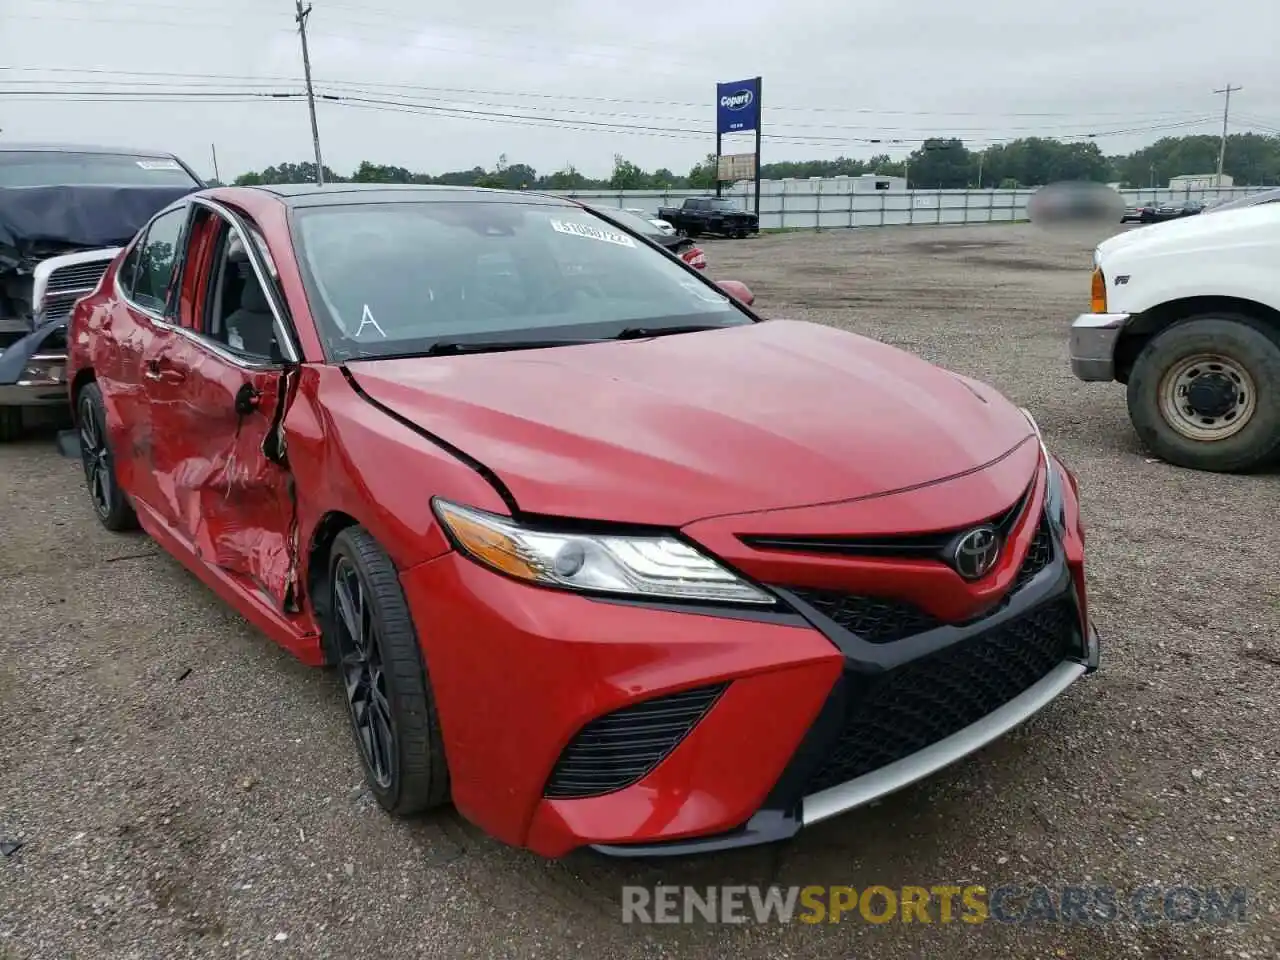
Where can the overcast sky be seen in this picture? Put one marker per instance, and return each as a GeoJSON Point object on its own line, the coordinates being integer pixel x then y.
{"type": "Point", "coordinates": [836, 74]}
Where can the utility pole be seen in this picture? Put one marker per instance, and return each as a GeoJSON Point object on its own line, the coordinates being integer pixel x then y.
{"type": "Point", "coordinates": [213, 149]}
{"type": "Point", "coordinates": [1226, 112]}
{"type": "Point", "coordinates": [303, 13]}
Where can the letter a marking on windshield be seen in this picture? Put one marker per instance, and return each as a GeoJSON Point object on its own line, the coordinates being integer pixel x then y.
{"type": "Point", "coordinates": [366, 319]}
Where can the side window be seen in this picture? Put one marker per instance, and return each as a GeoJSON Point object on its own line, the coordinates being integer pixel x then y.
{"type": "Point", "coordinates": [158, 260]}
{"type": "Point", "coordinates": [129, 268]}
{"type": "Point", "coordinates": [238, 314]}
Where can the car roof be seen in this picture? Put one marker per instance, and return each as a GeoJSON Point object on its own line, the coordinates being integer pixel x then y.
{"type": "Point", "coordinates": [43, 147]}
{"type": "Point", "coordinates": [343, 194]}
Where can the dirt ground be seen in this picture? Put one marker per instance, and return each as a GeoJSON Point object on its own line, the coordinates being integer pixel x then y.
{"type": "Point", "coordinates": [183, 789]}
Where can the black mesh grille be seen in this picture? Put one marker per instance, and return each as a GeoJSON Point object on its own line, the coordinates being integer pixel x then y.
{"type": "Point", "coordinates": [892, 715]}
{"type": "Point", "coordinates": [1039, 555]}
{"type": "Point", "coordinates": [874, 619]}
{"type": "Point", "coordinates": [620, 748]}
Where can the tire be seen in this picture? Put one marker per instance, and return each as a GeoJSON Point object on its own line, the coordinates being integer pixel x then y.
{"type": "Point", "coordinates": [10, 424]}
{"type": "Point", "coordinates": [413, 775]}
{"type": "Point", "coordinates": [1246, 346]}
{"type": "Point", "coordinates": [110, 504]}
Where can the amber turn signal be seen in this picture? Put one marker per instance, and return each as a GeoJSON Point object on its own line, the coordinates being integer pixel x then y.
{"type": "Point", "coordinates": [1098, 295]}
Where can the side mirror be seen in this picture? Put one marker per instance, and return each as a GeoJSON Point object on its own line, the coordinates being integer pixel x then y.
{"type": "Point", "coordinates": [738, 290]}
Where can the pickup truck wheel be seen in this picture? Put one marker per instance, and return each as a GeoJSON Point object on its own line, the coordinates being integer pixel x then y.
{"type": "Point", "coordinates": [1205, 394]}
{"type": "Point", "coordinates": [10, 424]}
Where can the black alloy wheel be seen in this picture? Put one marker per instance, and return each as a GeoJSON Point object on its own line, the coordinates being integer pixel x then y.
{"type": "Point", "coordinates": [109, 502]}
{"type": "Point", "coordinates": [363, 676]}
{"type": "Point", "coordinates": [371, 637]}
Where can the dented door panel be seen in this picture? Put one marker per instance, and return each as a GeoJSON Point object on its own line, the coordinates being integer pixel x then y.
{"type": "Point", "coordinates": [223, 472]}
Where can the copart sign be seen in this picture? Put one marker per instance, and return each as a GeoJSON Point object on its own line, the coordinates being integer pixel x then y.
{"type": "Point", "coordinates": [738, 106]}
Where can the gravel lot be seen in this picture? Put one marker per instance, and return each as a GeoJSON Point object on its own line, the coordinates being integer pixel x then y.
{"type": "Point", "coordinates": [184, 789]}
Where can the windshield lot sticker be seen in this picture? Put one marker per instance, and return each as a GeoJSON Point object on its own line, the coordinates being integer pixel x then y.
{"type": "Point", "coordinates": [366, 320]}
{"type": "Point", "coordinates": [159, 164]}
{"type": "Point", "coordinates": [592, 233]}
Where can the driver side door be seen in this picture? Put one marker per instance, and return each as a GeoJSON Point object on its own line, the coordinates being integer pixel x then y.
{"type": "Point", "coordinates": [230, 374]}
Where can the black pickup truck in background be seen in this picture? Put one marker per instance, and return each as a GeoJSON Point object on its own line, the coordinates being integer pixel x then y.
{"type": "Point", "coordinates": [699, 215]}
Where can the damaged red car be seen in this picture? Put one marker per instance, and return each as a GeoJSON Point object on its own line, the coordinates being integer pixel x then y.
{"type": "Point", "coordinates": [599, 556]}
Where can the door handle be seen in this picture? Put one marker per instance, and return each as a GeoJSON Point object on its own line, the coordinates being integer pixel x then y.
{"type": "Point", "coordinates": [154, 371]}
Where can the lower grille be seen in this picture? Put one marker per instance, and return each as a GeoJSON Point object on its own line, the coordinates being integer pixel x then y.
{"type": "Point", "coordinates": [621, 748]}
{"type": "Point", "coordinates": [892, 715]}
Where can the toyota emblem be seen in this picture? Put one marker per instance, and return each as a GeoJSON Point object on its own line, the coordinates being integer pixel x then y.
{"type": "Point", "coordinates": [976, 553]}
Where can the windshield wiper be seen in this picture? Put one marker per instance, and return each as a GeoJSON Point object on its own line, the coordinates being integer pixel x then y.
{"type": "Point", "coordinates": [640, 333]}
{"type": "Point", "coordinates": [454, 347]}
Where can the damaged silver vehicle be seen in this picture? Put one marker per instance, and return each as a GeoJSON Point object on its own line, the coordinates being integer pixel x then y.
{"type": "Point", "coordinates": [65, 212]}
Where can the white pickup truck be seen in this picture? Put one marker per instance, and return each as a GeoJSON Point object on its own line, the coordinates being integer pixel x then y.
{"type": "Point", "coordinates": [1186, 314]}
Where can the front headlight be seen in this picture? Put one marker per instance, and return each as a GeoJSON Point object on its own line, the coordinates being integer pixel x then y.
{"type": "Point", "coordinates": [659, 567]}
{"type": "Point", "coordinates": [1054, 506]}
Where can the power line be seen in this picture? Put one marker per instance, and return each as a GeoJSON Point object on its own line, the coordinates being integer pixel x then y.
{"type": "Point", "coordinates": [247, 78]}
{"type": "Point", "coordinates": [469, 112]}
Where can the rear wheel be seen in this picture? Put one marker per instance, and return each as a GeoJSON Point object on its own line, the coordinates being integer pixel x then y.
{"type": "Point", "coordinates": [388, 694]}
{"type": "Point", "coordinates": [10, 424]}
{"type": "Point", "coordinates": [109, 502]}
{"type": "Point", "coordinates": [1205, 394]}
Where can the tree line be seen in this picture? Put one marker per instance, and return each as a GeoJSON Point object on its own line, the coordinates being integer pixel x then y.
{"type": "Point", "coordinates": [939, 164]}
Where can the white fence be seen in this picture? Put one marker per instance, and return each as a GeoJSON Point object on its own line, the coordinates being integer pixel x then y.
{"type": "Point", "coordinates": [831, 205]}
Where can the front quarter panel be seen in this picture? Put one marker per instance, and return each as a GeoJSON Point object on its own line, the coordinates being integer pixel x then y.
{"type": "Point", "coordinates": [349, 457]}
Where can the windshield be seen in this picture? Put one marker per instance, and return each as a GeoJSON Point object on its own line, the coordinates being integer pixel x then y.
{"type": "Point", "coordinates": [399, 278]}
{"type": "Point", "coordinates": [50, 168]}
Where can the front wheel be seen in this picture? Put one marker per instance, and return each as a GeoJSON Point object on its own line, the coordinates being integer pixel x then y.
{"type": "Point", "coordinates": [1205, 394]}
{"type": "Point", "coordinates": [109, 502]}
{"type": "Point", "coordinates": [384, 679]}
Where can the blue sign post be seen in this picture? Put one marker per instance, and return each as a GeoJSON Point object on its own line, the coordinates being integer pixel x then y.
{"type": "Point", "coordinates": [738, 111]}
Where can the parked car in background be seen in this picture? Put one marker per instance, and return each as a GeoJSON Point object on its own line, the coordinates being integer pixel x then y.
{"type": "Point", "coordinates": [1252, 200]}
{"type": "Point", "coordinates": [715, 215]}
{"type": "Point", "coordinates": [681, 246]}
{"type": "Point", "coordinates": [1186, 317]}
{"type": "Point", "coordinates": [64, 212]}
{"type": "Point", "coordinates": [593, 552]}
{"type": "Point", "coordinates": [1159, 211]}
{"type": "Point", "coordinates": [662, 225]}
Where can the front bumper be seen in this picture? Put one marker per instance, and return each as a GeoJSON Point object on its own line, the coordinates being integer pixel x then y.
{"type": "Point", "coordinates": [1093, 344]}
{"type": "Point", "coordinates": [33, 370]}
{"type": "Point", "coordinates": [522, 675]}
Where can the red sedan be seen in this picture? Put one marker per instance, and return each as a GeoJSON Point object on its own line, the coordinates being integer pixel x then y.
{"type": "Point", "coordinates": [599, 556]}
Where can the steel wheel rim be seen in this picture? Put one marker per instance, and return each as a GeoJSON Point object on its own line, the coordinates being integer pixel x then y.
{"type": "Point", "coordinates": [363, 677]}
{"type": "Point", "coordinates": [1178, 412]}
{"type": "Point", "coordinates": [96, 458]}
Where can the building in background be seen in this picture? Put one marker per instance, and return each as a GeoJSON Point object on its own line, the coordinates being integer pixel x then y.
{"type": "Point", "coordinates": [1199, 181]}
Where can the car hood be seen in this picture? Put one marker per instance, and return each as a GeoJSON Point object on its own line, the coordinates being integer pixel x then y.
{"type": "Point", "coordinates": [679, 428]}
{"type": "Point", "coordinates": [1195, 232]}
